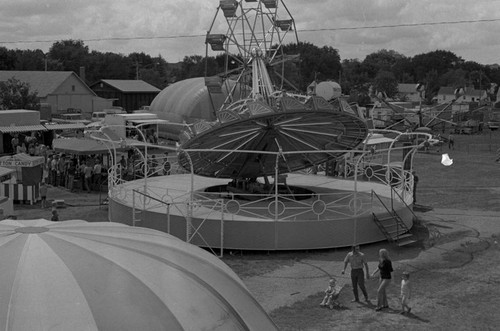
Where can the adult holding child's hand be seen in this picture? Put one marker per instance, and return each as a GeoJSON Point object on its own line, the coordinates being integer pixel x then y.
{"type": "Point", "coordinates": [385, 269]}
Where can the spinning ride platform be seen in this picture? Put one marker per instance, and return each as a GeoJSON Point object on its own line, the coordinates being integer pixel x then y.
{"type": "Point", "coordinates": [330, 212]}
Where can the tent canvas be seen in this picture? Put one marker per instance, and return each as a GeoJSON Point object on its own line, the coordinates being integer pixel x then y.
{"type": "Point", "coordinates": [6, 171]}
{"type": "Point", "coordinates": [82, 146]}
{"type": "Point", "coordinates": [79, 275]}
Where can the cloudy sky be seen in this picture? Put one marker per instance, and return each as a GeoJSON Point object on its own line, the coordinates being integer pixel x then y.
{"type": "Point", "coordinates": [175, 28]}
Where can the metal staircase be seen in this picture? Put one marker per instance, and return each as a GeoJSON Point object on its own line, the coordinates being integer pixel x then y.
{"type": "Point", "coordinates": [393, 227]}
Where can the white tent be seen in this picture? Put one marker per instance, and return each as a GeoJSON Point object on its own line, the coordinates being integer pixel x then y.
{"type": "Point", "coordinates": [75, 275]}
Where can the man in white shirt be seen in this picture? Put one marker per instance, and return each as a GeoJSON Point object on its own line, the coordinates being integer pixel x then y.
{"type": "Point", "coordinates": [357, 261]}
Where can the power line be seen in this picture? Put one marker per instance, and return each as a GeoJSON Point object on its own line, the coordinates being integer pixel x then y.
{"type": "Point", "coordinates": [298, 30]}
{"type": "Point", "coordinates": [403, 25]}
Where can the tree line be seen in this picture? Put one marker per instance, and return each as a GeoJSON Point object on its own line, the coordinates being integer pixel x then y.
{"type": "Point", "coordinates": [380, 71]}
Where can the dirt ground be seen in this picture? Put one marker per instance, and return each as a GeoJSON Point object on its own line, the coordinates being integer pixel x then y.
{"type": "Point", "coordinates": [455, 266]}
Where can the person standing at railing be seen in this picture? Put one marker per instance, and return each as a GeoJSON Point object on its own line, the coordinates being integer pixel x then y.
{"type": "Point", "coordinates": [451, 142]}
{"type": "Point", "coordinates": [96, 177]}
{"type": "Point", "coordinates": [71, 175]}
{"type": "Point", "coordinates": [87, 173]}
{"type": "Point", "coordinates": [415, 182]}
{"type": "Point", "coordinates": [53, 169]}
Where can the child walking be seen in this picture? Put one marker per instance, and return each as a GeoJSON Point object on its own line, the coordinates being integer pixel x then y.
{"type": "Point", "coordinates": [43, 194]}
{"type": "Point", "coordinates": [405, 293]}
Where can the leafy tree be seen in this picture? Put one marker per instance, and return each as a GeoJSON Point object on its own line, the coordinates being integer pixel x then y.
{"type": "Point", "coordinates": [30, 60]}
{"type": "Point", "coordinates": [7, 59]}
{"type": "Point", "coordinates": [155, 72]}
{"type": "Point", "coordinates": [402, 69]}
{"type": "Point", "coordinates": [432, 86]}
{"type": "Point", "coordinates": [15, 94]}
{"type": "Point", "coordinates": [353, 77]}
{"type": "Point", "coordinates": [107, 66]}
{"type": "Point", "coordinates": [72, 54]}
{"type": "Point", "coordinates": [386, 82]}
{"type": "Point", "coordinates": [381, 60]}
{"type": "Point", "coordinates": [454, 78]}
{"type": "Point", "coordinates": [315, 63]}
{"type": "Point", "coordinates": [192, 66]}
{"type": "Point", "coordinates": [441, 61]}
{"type": "Point", "coordinates": [478, 79]}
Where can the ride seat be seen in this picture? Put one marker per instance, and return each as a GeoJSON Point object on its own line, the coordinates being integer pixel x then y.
{"type": "Point", "coordinates": [216, 41]}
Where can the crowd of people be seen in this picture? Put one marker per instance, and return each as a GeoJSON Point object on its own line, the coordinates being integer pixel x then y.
{"type": "Point", "coordinates": [28, 144]}
{"type": "Point", "coordinates": [74, 172]}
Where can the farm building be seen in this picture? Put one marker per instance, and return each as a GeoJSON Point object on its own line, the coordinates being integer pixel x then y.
{"type": "Point", "coordinates": [59, 91]}
{"type": "Point", "coordinates": [129, 94]}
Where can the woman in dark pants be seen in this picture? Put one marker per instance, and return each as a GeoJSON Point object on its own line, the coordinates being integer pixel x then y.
{"type": "Point", "coordinates": [385, 269]}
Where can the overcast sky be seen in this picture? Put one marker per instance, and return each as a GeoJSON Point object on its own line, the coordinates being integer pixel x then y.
{"type": "Point", "coordinates": [182, 24]}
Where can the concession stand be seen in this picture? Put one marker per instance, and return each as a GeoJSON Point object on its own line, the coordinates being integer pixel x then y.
{"type": "Point", "coordinates": [6, 204]}
{"type": "Point", "coordinates": [24, 184]}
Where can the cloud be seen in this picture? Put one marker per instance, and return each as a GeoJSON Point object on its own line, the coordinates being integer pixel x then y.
{"type": "Point", "coordinates": [177, 27]}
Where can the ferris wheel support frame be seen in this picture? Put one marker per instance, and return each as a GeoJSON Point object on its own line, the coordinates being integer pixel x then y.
{"type": "Point", "coordinates": [251, 30]}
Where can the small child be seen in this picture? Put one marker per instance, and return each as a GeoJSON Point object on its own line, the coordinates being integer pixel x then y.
{"type": "Point", "coordinates": [405, 293]}
{"type": "Point", "coordinates": [55, 216]}
{"type": "Point", "coordinates": [43, 194]}
{"type": "Point", "coordinates": [330, 295]}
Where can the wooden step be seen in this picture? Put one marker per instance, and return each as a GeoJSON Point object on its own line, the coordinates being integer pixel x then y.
{"type": "Point", "coordinates": [385, 220]}
{"type": "Point", "coordinates": [402, 236]}
{"type": "Point", "coordinates": [398, 233]}
{"type": "Point", "coordinates": [388, 218]}
{"type": "Point", "coordinates": [405, 242]}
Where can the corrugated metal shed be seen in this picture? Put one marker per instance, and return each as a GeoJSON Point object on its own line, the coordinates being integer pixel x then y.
{"type": "Point", "coordinates": [22, 128]}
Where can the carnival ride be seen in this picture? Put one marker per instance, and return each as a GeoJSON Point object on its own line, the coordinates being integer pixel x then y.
{"type": "Point", "coordinates": [249, 179]}
{"type": "Point", "coordinates": [451, 115]}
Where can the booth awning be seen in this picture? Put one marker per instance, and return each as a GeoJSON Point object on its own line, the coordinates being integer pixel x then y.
{"type": "Point", "coordinates": [6, 171]}
{"type": "Point", "coordinates": [151, 121]}
{"type": "Point", "coordinates": [65, 126]}
{"type": "Point", "coordinates": [82, 146]}
{"type": "Point", "coordinates": [22, 128]}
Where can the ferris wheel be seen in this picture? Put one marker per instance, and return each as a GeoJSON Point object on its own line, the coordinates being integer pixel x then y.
{"type": "Point", "coordinates": [258, 119]}
{"type": "Point", "coordinates": [251, 34]}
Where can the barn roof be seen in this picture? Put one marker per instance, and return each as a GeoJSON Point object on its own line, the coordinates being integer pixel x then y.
{"type": "Point", "coordinates": [127, 85]}
{"type": "Point", "coordinates": [43, 82]}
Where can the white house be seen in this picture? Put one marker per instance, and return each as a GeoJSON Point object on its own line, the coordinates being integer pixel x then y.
{"type": "Point", "coordinates": [467, 95]}
{"type": "Point", "coordinates": [408, 92]}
